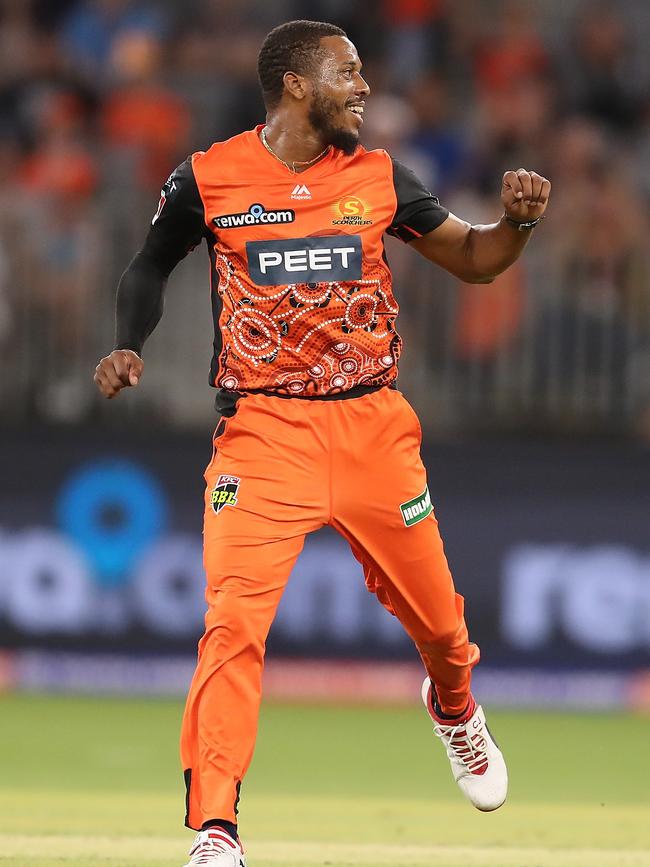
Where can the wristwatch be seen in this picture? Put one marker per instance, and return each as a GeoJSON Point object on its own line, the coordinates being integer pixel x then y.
{"type": "Point", "coordinates": [526, 226]}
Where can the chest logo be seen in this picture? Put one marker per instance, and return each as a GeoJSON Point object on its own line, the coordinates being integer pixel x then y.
{"type": "Point", "coordinates": [256, 215]}
{"type": "Point", "coordinates": [317, 259]}
{"type": "Point", "coordinates": [351, 211]}
{"type": "Point", "coordinates": [300, 191]}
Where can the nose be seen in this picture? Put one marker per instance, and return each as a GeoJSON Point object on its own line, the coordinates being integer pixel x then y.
{"type": "Point", "coordinates": [362, 88]}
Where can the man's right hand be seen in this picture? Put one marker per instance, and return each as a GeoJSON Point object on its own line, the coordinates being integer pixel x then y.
{"type": "Point", "coordinates": [121, 369]}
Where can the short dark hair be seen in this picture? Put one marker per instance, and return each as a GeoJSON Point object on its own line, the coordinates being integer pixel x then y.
{"type": "Point", "coordinates": [291, 47]}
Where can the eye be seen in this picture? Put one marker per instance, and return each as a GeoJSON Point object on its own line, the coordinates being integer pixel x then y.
{"type": "Point", "coordinates": [347, 73]}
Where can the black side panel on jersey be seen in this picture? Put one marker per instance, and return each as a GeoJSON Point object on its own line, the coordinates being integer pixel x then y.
{"type": "Point", "coordinates": [418, 211]}
{"type": "Point", "coordinates": [177, 227]}
{"type": "Point", "coordinates": [217, 305]}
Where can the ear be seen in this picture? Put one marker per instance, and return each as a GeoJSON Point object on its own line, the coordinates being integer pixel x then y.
{"type": "Point", "coordinates": [296, 85]}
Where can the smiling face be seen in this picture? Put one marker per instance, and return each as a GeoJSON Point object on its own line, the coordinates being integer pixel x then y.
{"type": "Point", "coordinates": [338, 95]}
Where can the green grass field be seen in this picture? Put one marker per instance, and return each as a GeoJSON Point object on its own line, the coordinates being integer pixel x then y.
{"type": "Point", "coordinates": [96, 782]}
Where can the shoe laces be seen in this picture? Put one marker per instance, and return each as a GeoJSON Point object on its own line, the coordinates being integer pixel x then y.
{"type": "Point", "coordinates": [470, 750]}
{"type": "Point", "coordinates": [214, 841]}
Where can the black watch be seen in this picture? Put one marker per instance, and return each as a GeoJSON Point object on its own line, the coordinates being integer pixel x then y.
{"type": "Point", "coordinates": [526, 226]}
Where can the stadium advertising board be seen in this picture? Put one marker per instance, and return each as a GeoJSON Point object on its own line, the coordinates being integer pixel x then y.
{"type": "Point", "coordinates": [100, 548]}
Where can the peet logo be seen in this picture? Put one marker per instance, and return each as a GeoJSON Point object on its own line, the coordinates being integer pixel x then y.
{"type": "Point", "coordinates": [351, 211]}
{"type": "Point", "coordinates": [319, 259]}
{"type": "Point", "coordinates": [224, 492]}
{"type": "Point", "coordinates": [256, 215]}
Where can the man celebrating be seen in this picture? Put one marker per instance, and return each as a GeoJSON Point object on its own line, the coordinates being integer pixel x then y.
{"type": "Point", "coordinates": [312, 429]}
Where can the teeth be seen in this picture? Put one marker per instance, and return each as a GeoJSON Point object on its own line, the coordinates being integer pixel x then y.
{"type": "Point", "coordinates": [358, 109]}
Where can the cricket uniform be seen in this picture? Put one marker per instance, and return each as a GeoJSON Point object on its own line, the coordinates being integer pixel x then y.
{"type": "Point", "coordinates": [312, 430]}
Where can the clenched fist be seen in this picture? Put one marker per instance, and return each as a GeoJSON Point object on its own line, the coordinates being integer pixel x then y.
{"type": "Point", "coordinates": [524, 195]}
{"type": "Point", "coordinates": [121, 369]}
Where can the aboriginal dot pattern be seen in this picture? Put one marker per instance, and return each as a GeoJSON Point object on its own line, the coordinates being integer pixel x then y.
{"type": "Point", "coordinates": [305, 338]}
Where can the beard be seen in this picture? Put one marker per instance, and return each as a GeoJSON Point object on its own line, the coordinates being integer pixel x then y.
{"type": "Point", "coordinates": [321, 117]}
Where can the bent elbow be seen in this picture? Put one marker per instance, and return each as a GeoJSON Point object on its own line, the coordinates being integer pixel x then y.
{"type": "Point", "coordinates": [485, 278]}
{"type": "Point", "coordinates": [474, 277]}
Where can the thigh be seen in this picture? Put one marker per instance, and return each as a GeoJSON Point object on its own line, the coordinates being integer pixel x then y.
{"type": "Point", "coordinates": [264, 492]}
{"type": "Point", "coordinates": [384, 509]}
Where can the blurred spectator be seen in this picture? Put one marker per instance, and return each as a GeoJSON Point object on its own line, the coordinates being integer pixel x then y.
{"type": "Point", "coordinates": [61, 165]}
{"type": "Point", "coordinates": [603, 84]}
{"type": "Point", "coordinates": [389, 124]}
{"type": "Point", "coordinates": [487, 319]}
{"type": "Point", "coordinates": [92, 29]}
{"type": "Point", "coordinates": [597, 311]}
{"type": "Point", "coordinates": [18, 40]}
{"type": "Point", "coordinates": [513, 50]}
{"type": "Point", "coordinates": [60, 178]}
{"type": "Point", "coordinates": [143, 117]}
{"type": "Point", "coordinates": [10, 232]}
{"type": "Point", "coordinates": [25, 99]}
{"type": "Point", "coordinates": [436, 134]}
{"type": "Point", "coordinates": [415, 37]}
{"type": "Point", "coordinates": [510, 128]}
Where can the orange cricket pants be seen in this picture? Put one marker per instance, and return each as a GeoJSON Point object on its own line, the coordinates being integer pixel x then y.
{"type": "Point", "coordinates": [298, 465]}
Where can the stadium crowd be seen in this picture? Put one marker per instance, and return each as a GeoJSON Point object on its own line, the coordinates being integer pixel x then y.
{"type": "Point", "coordinates": [100, 99]}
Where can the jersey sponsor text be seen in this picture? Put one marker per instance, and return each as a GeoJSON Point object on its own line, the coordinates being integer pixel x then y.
{"type": "Point", "coordinates": [255, 216]}
{"type": "Point", "coordinates": [318, 259]}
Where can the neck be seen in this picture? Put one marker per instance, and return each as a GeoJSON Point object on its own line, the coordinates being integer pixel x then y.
{"type": "Point", "coordinates": [293, 142]}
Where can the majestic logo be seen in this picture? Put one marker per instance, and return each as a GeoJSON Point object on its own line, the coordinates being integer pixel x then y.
{"type": "Point", "coordinates": [319, 259]}
{"type": "Point", "coordinates": [351, 211]}
{"type": "Point", "coordinates": [224, 493]}
{"type": "Point", "coordinates": [300, 191]}
{"type": "Point", "coordinates": [256, 215]}
{"type": "Point", "coordinates": [417, 509]}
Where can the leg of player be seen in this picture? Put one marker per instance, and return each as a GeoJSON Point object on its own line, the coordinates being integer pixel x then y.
{"type": "Point", "coordinates": [245, 583]}
{"type": "Point", "coordinates": [262, 497]}
{"type": "Point", "coordinates": [384, 510]}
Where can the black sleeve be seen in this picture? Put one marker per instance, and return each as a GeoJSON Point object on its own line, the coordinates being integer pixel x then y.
{"type": "Point", "coordinates": [177, 227]}
{"type": "Point", "coordinates": [417, 212]}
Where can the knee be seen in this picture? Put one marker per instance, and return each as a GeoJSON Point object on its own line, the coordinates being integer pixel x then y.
{"type": "Point", "coordinates": [237, 623]}
{"type": "Point", "coordinates": [443, 640]}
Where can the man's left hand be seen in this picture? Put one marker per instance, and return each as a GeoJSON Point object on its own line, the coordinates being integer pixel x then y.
{"type": "Point", "coordinates": [524, 195]}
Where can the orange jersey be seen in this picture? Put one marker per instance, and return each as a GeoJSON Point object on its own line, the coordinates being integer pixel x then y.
{"type": "Point", "coordinates": [302, 294]}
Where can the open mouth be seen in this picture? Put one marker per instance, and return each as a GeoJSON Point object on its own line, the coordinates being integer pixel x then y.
{"type": "Point", "coordinates": [356, 109]}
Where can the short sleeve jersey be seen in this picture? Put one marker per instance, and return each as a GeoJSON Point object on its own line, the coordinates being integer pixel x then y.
{"type": "Point", "coordinates": [302, 295]}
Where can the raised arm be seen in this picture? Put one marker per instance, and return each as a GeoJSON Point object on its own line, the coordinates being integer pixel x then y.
{"type": "Point", "coordinates": [176, 228]}
{"type": "Point", "coordinates": [475, 254]}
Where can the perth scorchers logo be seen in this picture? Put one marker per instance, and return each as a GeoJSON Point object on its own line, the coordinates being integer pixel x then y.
{"type": "Point", "coordinates": [224, 493]}
{"type": "Point", "coordinates": [351, 211]}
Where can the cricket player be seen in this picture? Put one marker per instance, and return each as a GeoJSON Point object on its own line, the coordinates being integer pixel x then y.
{"type": "Point", "coordinates": [312, 430]}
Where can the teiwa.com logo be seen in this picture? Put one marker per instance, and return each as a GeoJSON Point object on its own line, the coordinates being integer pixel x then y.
{"type": "Point", "coordinates": [256, 215]}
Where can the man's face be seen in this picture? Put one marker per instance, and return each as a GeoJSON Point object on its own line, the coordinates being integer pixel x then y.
{"type": "Point", "coordinates": [338, 95]}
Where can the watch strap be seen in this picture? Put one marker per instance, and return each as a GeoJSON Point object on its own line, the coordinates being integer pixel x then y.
{"type": "Point", "coordinates": [524, 226]}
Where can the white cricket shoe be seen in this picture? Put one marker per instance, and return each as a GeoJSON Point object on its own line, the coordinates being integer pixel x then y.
{"type": "Point", "coordinates": [216, 848]}
{"type": "Point", "coordinates": [476, 761]}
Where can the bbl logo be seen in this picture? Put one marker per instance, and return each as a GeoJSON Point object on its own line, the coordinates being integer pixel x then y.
{"type": "Point", "coordinates": [224, 493]}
